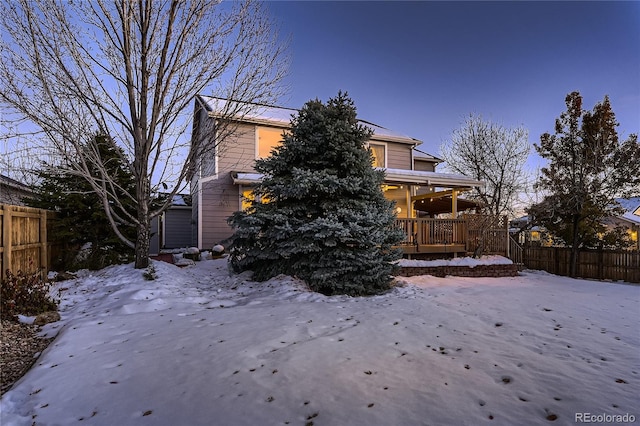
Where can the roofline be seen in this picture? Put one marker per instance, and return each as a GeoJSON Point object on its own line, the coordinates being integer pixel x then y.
{"type": "Point", "coordinates": [7, 181]}
{"type": "Point", "coordinates": [282, 124]}
{"type": "Point", "coordinates": [433, 158]}
{"type": "Point", "coordinates": [444, 180]}
{"type": "Point", "coordinates": [430, 178]}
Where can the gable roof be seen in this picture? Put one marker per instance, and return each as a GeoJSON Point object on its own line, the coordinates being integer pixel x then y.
{"type": "Point", "coordinates": [423, 156]}
{"type": "Point", "coordinates": [281, 117]}
{"type": "Point", "coordinates": [631, 207]}
{"type": "Point", "coordinates": [6, 180]}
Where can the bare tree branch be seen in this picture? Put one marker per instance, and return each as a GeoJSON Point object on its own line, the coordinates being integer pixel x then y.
{"type": "Point", "coordinates": [130, 70]}
{"type": "Point", "coordinates": [490, 152]}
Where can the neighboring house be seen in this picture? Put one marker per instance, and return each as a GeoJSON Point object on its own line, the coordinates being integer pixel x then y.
{"type": "Point", "coordinates": [522, 230]}
{"type": "Point", "coordinates": [525, 234]}
{"type": "Point", "coordinates": [223, 180]}
{"type": "Point", "coordinates": [13, 192]}
{"type": "Point", "coordinates": [172, 229]}
{"type": "Point", "coordinates": [629, 220]}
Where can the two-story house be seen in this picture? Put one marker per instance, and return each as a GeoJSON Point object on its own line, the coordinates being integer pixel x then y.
{"type": "Point", "coordinates": [222, 179]}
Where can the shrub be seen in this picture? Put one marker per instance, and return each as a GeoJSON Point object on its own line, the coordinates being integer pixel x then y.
{"type": "Point", "coordinates": [26, 294]}
{"type": "Point", "coordinates": [150, 273]}
{"type": "Point", "coordinates": [192, 253]}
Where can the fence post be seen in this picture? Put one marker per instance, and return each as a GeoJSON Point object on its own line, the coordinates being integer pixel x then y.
{"type": "Point", "coordinates": [6, 239]}
{"type": "Point", "coordinates": [600, 264]}
{"type": "Point", "coordinates": [44, 256]}
{"type": "Point", "coordinates": [507, 236]}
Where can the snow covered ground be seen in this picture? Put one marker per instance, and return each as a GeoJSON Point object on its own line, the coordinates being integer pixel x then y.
{"type": "Point", "coordinates": [198, 346]}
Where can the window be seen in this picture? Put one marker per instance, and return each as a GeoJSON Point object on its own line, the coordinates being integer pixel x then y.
{"type": "Point", "coordinates": [246, 198]}
{"type": "Point", "coordinates": [379, 152]}
{"type": "Point", "coordinates": [268, 138]}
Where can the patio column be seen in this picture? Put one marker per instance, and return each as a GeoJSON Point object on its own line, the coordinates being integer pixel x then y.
{"type": "Point", "coordinates": [454, 203]}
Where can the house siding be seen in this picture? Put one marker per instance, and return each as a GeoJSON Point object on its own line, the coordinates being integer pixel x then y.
{"type": "Point", "coordinates": [206, 129]}
{"type": "Point", "coordinates": [12, 192]}
{"type": "Point", "coordinates": [215, 196]}
{"type": "Point", "coordinates": [238, 152]}
{"type": "Point", "coordinates": [154, 241]}
{"type": "Point", "coordinates": [9, 195]}
{"type": "Point", "coordinates": [424, 166]}
{"type": "Point", "coordinates": [177, 232]}
{"type": "Point", "coordinates": [220, 198]}
{"type": "Point", "coordinates": [398, 156]}
{"type": "Point", "coordinates": [194, 213]}
{"type": "Point", "coordinates": [177, 228]}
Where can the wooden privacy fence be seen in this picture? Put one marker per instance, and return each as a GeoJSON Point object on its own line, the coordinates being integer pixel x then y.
{"type": "Point", "coordinates": [23, 239]}
{"type": "Point", "coordinates": [489, 231]}
{"type": "Point", "coordinates": [597, 264]}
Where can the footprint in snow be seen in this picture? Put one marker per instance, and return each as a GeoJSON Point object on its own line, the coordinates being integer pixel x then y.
{"type": "Point", "coordinates": [506, 379]}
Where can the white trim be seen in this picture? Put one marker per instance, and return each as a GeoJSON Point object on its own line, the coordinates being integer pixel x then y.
{"type": "Point", "coordinates": [445, 180]}
{"type": "Point", "coordinates": [215, 152]}
{"type": "Point", "coordinates": [163, 221]}
{"type": "Point", "coordinates": [246, 178]}
{"type": "Point", "coordinates": [199, 242]}
{"type": "Point", "coordinates": [386, 150]}
{"type": "Point", "coordinates": [256, 146]}
{"type": "Point", "coordinates": [413, 160]}
{"type": "Point", "coordinates": [209, 178]}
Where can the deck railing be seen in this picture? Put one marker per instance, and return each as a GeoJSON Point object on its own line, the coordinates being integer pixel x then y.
{"type": "Point", "coordinates": [433, 231]}
{"type": "Point", "coordinates": [515, 252]}
{"type": "Point", "coordinates": [470, 233]}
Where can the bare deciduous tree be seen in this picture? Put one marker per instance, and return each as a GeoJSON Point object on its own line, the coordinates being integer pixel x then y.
{"type": "Point", "coordinates": [492, 153]}
{"type": "Point", "coordinates": [130, 70]}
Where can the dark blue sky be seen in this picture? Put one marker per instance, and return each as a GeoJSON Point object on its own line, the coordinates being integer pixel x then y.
{"type": "Point", "coordinates": [421, 67]}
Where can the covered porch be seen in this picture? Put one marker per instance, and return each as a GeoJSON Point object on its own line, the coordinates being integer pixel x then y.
{"type": "Point", "coordinates": [422, 195]}
{"type": "Point", "coordinates": [437, 220]}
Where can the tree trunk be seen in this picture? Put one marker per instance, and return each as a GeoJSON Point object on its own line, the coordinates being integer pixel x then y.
{"type": "Point", "coordinates": [575, 247]}
{"type": "Point", "coordinates": [143, 195]}
{"type": "Point", "coordinates": [142, 247]}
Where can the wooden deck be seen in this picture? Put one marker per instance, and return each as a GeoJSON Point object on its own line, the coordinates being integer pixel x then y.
{"type": "Point", "coordinates": [456, 236]}
{"type": "Point", "coordinates": [433, 248]}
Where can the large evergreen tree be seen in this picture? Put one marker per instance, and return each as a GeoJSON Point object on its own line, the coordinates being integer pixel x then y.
{"type": "Point", "coordinates": [80, 215]}
{"type": "Point", "coordinates": [319, 212]}
{"type": "Point", "coordinates": [589, 168]}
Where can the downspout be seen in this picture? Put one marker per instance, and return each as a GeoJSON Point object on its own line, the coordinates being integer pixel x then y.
{"type": "Point", "coordinates": [413, 161]}
{"type": "Point", "coordinates": [199, 224]}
